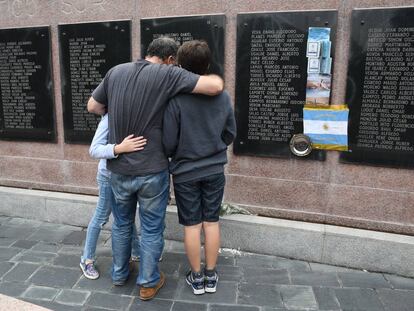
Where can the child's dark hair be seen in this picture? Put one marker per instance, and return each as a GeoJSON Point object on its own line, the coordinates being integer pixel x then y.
{"type": "Point", "coordinates": [194, 56]}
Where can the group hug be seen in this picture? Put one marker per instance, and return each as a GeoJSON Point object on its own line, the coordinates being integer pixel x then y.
{"type": "Point", "coordinates": [162, 115]}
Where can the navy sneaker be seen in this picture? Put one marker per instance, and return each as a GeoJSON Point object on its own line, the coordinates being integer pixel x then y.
{"type": "Point", "coordinates": [210, 281]}
{"type": "Point", "coordinates": [196, 281]}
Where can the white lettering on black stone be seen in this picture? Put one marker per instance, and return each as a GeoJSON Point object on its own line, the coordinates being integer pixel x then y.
{"type": "Point", "coordinates": [388, 90]}
{"type": "Point", "coordinates": [271, 89]}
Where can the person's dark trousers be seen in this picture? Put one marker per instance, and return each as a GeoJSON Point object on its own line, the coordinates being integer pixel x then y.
{"type": "Point", "coordinates": [151, 193]}
{"type": "Point", "coordinates": [200, 199]}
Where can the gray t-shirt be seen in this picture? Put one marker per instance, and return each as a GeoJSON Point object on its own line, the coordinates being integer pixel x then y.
{"type": "Point", "coordinates": [136, 95]}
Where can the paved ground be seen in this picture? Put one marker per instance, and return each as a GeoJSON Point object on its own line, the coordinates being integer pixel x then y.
{"type": "Point", "coordinates": [39, 263]}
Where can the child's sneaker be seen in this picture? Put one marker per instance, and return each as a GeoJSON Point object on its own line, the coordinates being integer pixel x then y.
{"type": "Point", "coordinates": [89, 270]}
{"type": "Point", "coordinates": [196, 281]}
{"type": "Point", "coordinates": [210, 281]}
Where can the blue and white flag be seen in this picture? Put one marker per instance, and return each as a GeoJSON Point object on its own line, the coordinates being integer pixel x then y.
{"type": "Point", "coordinates": [327, 128]}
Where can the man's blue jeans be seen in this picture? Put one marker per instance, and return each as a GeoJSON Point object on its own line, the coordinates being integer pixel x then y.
{"type": "Point", "coordinates": [151, 193]}
{"type": "Point", "coordinates": [100, 217]}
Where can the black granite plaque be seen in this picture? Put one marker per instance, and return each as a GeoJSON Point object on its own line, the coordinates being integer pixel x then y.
{"type": "Point", "coordinates": [87, 52]}
{"type": "Point", "coordinates": [271, 75]}
{"type": "Point", "coordinates": [26, 89]}
{"type": "Point", "coordinates": [380, 87]}
{"type": "Point", "coordinates": [206, 27]}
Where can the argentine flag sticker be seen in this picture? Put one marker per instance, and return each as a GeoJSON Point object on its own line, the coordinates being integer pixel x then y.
{"type": "Point", "coordinates": [327, 127]}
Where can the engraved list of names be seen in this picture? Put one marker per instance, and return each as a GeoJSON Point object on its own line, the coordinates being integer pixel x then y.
{"type": "Point", "coordinates": [25, 85]}
{"type": "Point", "coordinates": [382, 109]}
{"type": "Point", "coordinates": [88, 51]}
{"type": "Point", "coordinates": [272, 92]}
{"type": "Point", "coordinates": [185, 28]}
{"type": "Point", "coordinates": [271, 78]}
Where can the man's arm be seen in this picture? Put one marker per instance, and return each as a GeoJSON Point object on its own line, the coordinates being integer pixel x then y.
{"type": "Point", "coordinates": [96, 107]}
{"type": "Point", "coordinates": [229, 133]}
{"type": "Point", "coordinates": [209, 85]}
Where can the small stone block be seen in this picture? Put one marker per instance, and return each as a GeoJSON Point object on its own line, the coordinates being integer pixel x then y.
{"type": "Point", "coordinates": [21, 272]}
{"type": "Point", "coordinates": [40, 293]}
{"type": "Point", "coordinates": [110, 301]}
{"type": "Point", "coordinates": [72, 297]}
{"type": "Point", "coordinates": [24, 244]}
{"type": "Point", "coordinates": [180, 306]}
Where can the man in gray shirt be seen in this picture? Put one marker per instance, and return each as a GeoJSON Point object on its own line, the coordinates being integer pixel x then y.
{"type": "Point", "coordinates": [136, 95]}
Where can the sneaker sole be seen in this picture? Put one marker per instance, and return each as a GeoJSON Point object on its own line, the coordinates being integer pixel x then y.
{"type": "Point", "coordinates": [195, 291]}
{"type": "Point", "coordinates": [87, 276]}
{"type": "Point", "coordinates": [213, 289]}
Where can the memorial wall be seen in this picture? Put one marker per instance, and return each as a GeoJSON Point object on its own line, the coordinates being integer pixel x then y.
{"type": "Point", "coordinates": [277, 57]}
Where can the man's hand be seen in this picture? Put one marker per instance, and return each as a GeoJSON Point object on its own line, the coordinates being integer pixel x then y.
{"type": "Point", "coordinates": [96, 107]}
{"type": "Point", "coordinates": [130, 144]}
{"type": "Point", "coordinates": [209, 85]}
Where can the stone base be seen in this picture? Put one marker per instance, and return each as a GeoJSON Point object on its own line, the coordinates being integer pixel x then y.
{"type": "Point", "coordinates": [355, 248]}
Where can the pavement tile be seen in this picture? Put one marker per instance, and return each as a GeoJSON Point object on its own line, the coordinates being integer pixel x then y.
{"type": "Point", "coordinates": [51, 235]}
{"type": "Point", "coordinates": [5, 267]}
{"type": "Point", "coordinates": [74, 250]}
{"type": "Point", "coordinates": [13, 289]}
{"type": "Point", "coordinates": [176, 258]}
{"type": "Point", "coordinates": [401, 300]}
{"type": "Point", "coordinates": [266, 276]}
{"type": "Point", "coordinates": [54, 305]}
{"type": "Point", "coordinates": [233, 308]}
{"type": "Point", "coordinates": [151, 305]}
{"type": "Point", "coordinates": [40, 293]}
{"type": "Point", "coordinates": [290, 265]}
{"type": "Point", "coordinates": [326, 298]}
{"type": "Point", "coordinates": [24, 244]}
{"type": "Point", "coordinates": [363, 280]}
{"type": "Point", "coordinates": [16, 232]}
{"type": "Point", "coordinates": [251, 260]}
{"type": "Point", "coordinates": [130, 288]}
{"type": "Point", "coordinates": [110, 301]}
{"type": "Point", "coordinates": [56, 277]}
{"type": "Point", "coordinates": [400, 282]}
{"type": "Point", "coordinates": [75, 238]}
{"type": "Point", "coordinates": [104, 283]}
{"type": "Point", "coordinates": [21, 272]}
{"type": "Point", "coordinates": [5, 242]}
{"type": "Point", "coordinates": [358, 299]}
{"type": "Point", "coordinates": [298, 297]}
{"type": "Point", "coordinates": [259, 295]}
{"type": "Point", "coordinates": [72, 297]}
{"type": "Point", "coordinates": [46, 247]}
{"type": "Point", "coordinates": [180, 306]}
{"type": "Point", "coordinates": [7, 253]}
{"type": "Point", "coordinates": [169, 268]}
{"type": "Point", "coordinates": [68, 261]}
{"type": "Point", "coordinates": [229, 273]}
{"type": "Point", "coordinates": [226, 293]}
{"type": "Point", "coordinates": [36, 257]}
{"type": "Point", "coordinates": [329, 279]}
